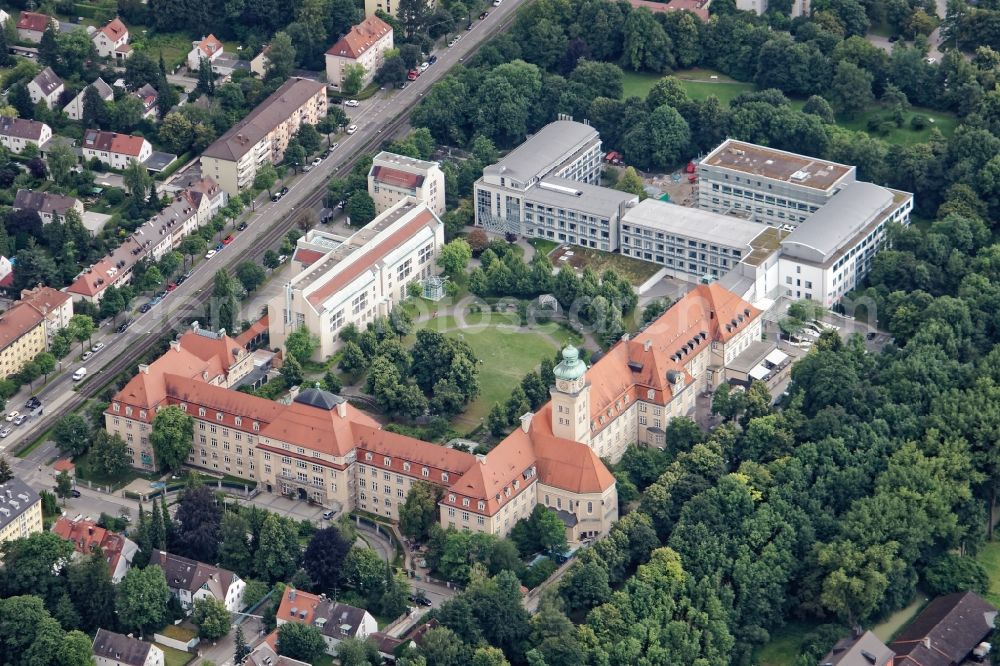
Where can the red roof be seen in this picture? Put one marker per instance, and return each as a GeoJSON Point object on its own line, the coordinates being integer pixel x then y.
{"type": "Point", "coordinates": [362, 263]}
{"type": "Point", "coordinates": [210, 46]}
{"type": "Point", "coordinates": [114, 30]}
{"type": "Point", "coordinates": [33, 21]}
{"type": "Point", "coordinates": [307, 257]}
{"type": "Point", "coordinates": [360, 38]}
{"type": "Point", "coordinates": [112, 142]}
{"type": "Point", "coordinates": [256, 328]}
{"type": "Point", "coordinates": [86, 534]}
{"type": "Point", "coordinates": [397, 178]}
{"type": "Point", "coordinates": [64, 465]}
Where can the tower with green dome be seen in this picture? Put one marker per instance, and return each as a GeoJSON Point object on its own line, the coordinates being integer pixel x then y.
{"type": "Point", "coordinates": [571, 398]}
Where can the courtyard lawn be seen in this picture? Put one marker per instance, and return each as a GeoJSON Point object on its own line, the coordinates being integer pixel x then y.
{"type": "Point", "coordinates": [944, 122]}
{"type": "Point", "coordinates": [989, 557]}
{"type": "Point", "coordinates": [505, 355]}
{"type": "Point", "coordinates": [542, 245]}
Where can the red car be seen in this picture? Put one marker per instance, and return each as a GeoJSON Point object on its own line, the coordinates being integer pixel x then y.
{"type": "Point", "coordinates": [227, 240]}
{"type": "Point", "coordinates": [171, 286]}
{"type": "Point", "coordinates": [412, 75]}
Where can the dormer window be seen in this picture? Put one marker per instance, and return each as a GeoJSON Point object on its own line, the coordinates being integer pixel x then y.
{"type": "Point", "coordinates": [406, 467]}
{"type": "Point", "coordinates": [482, 505]}
{"type": "Point", "coordinates": [116, 407]}
{"type": "Point", "coordinates": [218, 416]}
{"type": "Point", "coordinates": [184, 406]}
{"type": "Point", "coordinates": [650, 394]}
{"type": "Point", "coordinates": [387, 461]}
{"type": "Point", "coordinates": [465, 501]}
{"type": "Point", "coordinates": [444, 476]}
{"type": "Point", "coordinates": [201, 411]}
{"type": "Point", "coordinates": [142, 413]}
{"type": "Point", "coordinates": [451, 497]}
{"type": "Point", "coordinates": [368, 456]}
{"type": "Point", "coordinates": [239, 420]}
{"type": "Point", "coordinates": [425, 472]}
{"type": "Point", "coordinates": [256, 426]}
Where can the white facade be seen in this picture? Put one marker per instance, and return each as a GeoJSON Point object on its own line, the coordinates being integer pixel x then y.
{"type": "Point", "coordinates": [361, 279]}
{"type": "Point", "coordinates": [365, 44]}
{"type": "Point", "coordinates": [209, 48]}
{"type": "Point", "coordinates": [75, 108]}
{"type": "Point", "coordinates": [17, 133]}
{"type": "Point", "coordinates": [139, 150]}
{"type": "Point", "coordinates": [46, 87]}
{"type": "Point", "coordinates": [393, 178]}
{"type": "Point", "coordinates": [111, 41]}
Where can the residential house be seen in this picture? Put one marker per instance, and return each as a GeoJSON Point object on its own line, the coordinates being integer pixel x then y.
{"type": "Point", "coordinates": [111, 41]}
{"type": "Point", "coordinates": [336, 621]}
{"type": "Point", "coordinates": [260, 138]}
{"type": "Point", "coordinates": [111, 649]}
{"type": "Point", "coordinates": [114, 269]}
{"type": "Point", "coordinates": [266, 655]}
{"type": "Point", "coordinates": [55, 306]}
{"type": "Point", "coordinates": [22, 337]}
{"type": "Point", "coordinates": [193, 207]}
{"type": "Point", "coordinates": [32, 25]}
{"type": "Point", "coordinates": [46, 87]}
{"type": "Point", "coordinates": [85, 535]}
{"type": "Point", "coordinates": [208, 48]}
{"type": "Point", "coordinates": [75, 108]}
{"type": "Point", "coordinates": [258, 65]}
{"type": "Point", "coordinates": [356, 281]}
{"type": "Point", "coordinates": [799, 7]}
{"type": "Point", "coordinates": [390, 7]}
{"type": "Point", "coordinates": [6, 273]}
{"type": "Point", "coordinates": [364, 44]}
{"type": "Point", "coordinates": [945, 632]}
{"type": "Point", "coordinates": [394, 177]}
{"type": "Point", "coordinates": [115, 150]}
{"type": "Point", "coordinates": [48, 206]}
{"type": "Point", "coordinates": [190, 580]}
{"type": "Point", "coordinates": [859, 649]}
{"type": "Point", "coordinates": [20, 511]}
{"type": "Point", "coordinates": [148, 96]}
{"type": "Point", "coordinates": [17, 133]}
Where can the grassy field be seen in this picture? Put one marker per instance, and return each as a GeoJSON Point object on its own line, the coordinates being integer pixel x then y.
{"type": "Point", "coordinates": [542, 245]}
{"type": "Point", "coordinates": [172, 657]}
{"type": "Point", "coordinates": [784, 647]}
{"type": "Point", "coordinates": [699, 85]}
{"type": "Point", "coordinates": [506, 356]}
{"type": "Point", "coordinates": [989, 557]}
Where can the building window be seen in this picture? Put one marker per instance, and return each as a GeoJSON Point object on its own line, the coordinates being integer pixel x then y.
{"type": "Point", "coordinates": [425, 472]}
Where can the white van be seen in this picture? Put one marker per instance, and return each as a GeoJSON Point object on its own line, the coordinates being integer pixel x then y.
{"type": "Point", "coordinates": [79, 374]}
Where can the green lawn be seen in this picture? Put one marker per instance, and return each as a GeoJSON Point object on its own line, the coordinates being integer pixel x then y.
{"type": "Point", "coordinates": [989, 557]}
{"type": "Point", "coordinates": [784, 646]}
{"type": "Point", "coordinates": [542, 245]}
{"type": "Point", "coordinates": [506, 356]}
{"type": "Point", "coordinates": [172, 657]}
{"type": "Point", "coordinates": [86, 472]}
{"type": "Point", "coordinates": [699, 85]}
{"type": "Point", "coordinates": [634, 270]}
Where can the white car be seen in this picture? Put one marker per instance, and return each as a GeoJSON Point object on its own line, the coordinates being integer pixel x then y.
{"type": "Point", "coordinates": [317, 161]}
{"type": "Point", "coordinates": [352, 129]}
{"type": "Point", "coordinates": [452, 42]}
{"type": "Point", "coordinates": [13, 415]}
{"type": "Point", "coordinates": [351, 102]}
{"type": "Point", "coordinates": [211, 253]}
{"type": "Point", "coordinates": [98, 346]}
{"type": "Point", "coordinates": [424, 66]}
{"type": "Point", "coordinates": [4, 432]}
{"type": "Point", "coordinates": [86, 355]}
{"type": "Point", "coordinates": [307, 168]}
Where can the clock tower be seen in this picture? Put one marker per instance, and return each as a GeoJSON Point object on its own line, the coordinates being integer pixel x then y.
{"type": "Point", "coordinates": [571, 398]}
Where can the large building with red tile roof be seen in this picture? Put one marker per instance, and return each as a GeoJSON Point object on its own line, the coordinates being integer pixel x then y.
{"type": "Point", "coordinates": [393, 178]}
{"type": "Point", "coordinates": [321, 448]}
{"type": "Point", "coordinates": [364, 44]}
{"type": "Point", "coordinates": [86, 535]}
{"type": "Point", "coordinates": [357, 279]}
{"type": "Point", "coordinates": [335, 621]}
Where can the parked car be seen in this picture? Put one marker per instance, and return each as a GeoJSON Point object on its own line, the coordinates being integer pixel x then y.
{"type": "Point", "coordinates": [307, 168]}
{"type": "Point", "coordinates": [483, 15]}
{"type": "Point", "coordinates": [433, 59]}
{"type": "Point", "coordinates": [12, 415]}
{"type": "Point", "coordinates": [145, 307]}
{"type": "Point", "coordinates": [124, 326]}
{"type": "Point", "coordinates": [228, 239]}
{"type": "Point", "coordinates": [33, 403]}
{"type": "Point", "coordinates": [242, 227]}
{"type": "Point", "coordinates": [284, 191]}
{"type": "Point", "coordinates": [74, 492]}
{"type": "Point", "coordinates": [21, 418]}
{"type": "Point", "coordinates": [412, 75]}
{"type": "Point", "coordinates": [282, 258]}
{"type": "Point", "coordinates": [352, 103]}
{"type": "Point", "coordinates": [171, 287]}
{"type": "Point", "coordinates": [423, 66]}
{"type": "Point", "coordinates": [452, 41]}
{"type": "Point", "coordinates": [86, 355]}
{"type": "Point", "coordinates": [317, 161]}
{"type": "Point", "coordinates": [328, 515]}
{"type": "Point", "coordinates": [218, 248]}
{"type": "Point", "coordinates": [352, 129]}
{"type": "Point", "coordinates": [275, 197]}
{"type": "Point", "coordinates": [5, 432]}
{"type": "Point", "coordinates": [98, 346]}
{"type": "Point", "coordinates": [210, 254]}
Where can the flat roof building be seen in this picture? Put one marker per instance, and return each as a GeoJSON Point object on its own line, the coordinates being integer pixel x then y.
{"type": "Point", "coordinates": [20, 510]}
{"type": "Point", "coordinates": [767, 185]}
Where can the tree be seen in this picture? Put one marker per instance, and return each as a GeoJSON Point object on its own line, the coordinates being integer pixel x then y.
{"type": "Point", "coordinates": [72, 435]}
{"type": "Point", "coordinates": [142, 599]}
{"type": "Point", "coordinates": [241, 649]}
{"type": "Point", "coordinates": [324, 557]}
{"type": "Point", "coordinates": [420, 511]}
{"type": "Point", "coordinates": [60, 160]}
{"type": "Point", "coordinates": [277, 555]}
{"type": "Point", "coordinates": [176, 132]}
{"type": "Point", "coordinates": [280, 57]}
{"type": "Point", "coordinates": [193, 245]}
{"type": "Point", "coordinates": [88, 582]}
{"type": "Point", "coordinates": [81, 327]}
{"type": "Point", "coordinates": [360, 208]}
{"type": "Point", "coordinates": [496, 420]}
{"type": "Point", "coordinates": [352, 359]}
{"type": "Point", "coordinates": [31, 565]}
{"type": "Point", "coordinates": [64, 485]}
{"type": "Point", "coordinates": [301, 344]}
{"type": "Point", "coordinates": [211, 617]}
{"type": "Point", "coordinates": [454, 257]}
{"type": "Point", "coordinates": [354, 78]}
{"type": "Point", "coordinates": [851, 89]}
{"type": "Point", "coordinates": [95, 109]}
{"type": "Point", "coordinates": [206, 79]}
{"type": "Point", "coordinates": [137, 180]}
{"type": "Point", "coordinates": [109, 454]}
{"type": "Point", "coordinates": [172, 437]}
{"type": "Point", "coordinates": [6, 473]}
{"type": "Point", "coordinates": [199, 523]}
{"type": "Point", "coordinates": [234, 548]}
{"type": "Point", "coordinates": [392, 72]}
{"type": "Point", "coordinates": [265, 178]}
{"type": "Point", "coordinates": [250, 275]}
{"type": "Point", "coordinates": [271, 259]}
{"type": "Point", "coordinates": [358, 652]}
{"type": "Point", "coordinates": [224, 304]}
{"type": "Point", "coordinates": [301, 641]}
{"type": "Point", "coordinates": [585, 585]}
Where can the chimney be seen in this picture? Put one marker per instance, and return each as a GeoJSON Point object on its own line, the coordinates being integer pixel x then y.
{"type": "Point", "coordinates": [90, 530]}
{"type": "Point", "coordinates": [927, 642]}
{"type": "Point", "coordinates": [342, 409]}
{"type": "Point", "coordinates": [222, 332]}
{"type": "Point", "coordinates": [526, 421]}
{"type": "Point", "coordinates": [647, 344]}
{"type": "Point", "coordinates": [293, 392]}
{"type": "Point", "coordinates": [195, 325]}
{"type": "Point", "coordinates": [291, 594]}
{"type": "Point", "coordinates": [143, 368]}
{"type": "Point", "coordinates": [175, 345]}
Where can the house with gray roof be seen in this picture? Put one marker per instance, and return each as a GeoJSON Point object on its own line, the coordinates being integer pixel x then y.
{"type": "Point", "coordinates": [75, 108]}
{"type": "Point", "coordinates": [46, 87]}
{"type": "Point", "coordinates": [858, 650]}
{"type": "Point", "coordinates": [190, 580]}
{"type": "Point", "coordinates": [47, 205]}
{"type": "Point", "coordinates": [17, 133]}
{"type": "Point", "coordinates": [111, 649]}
